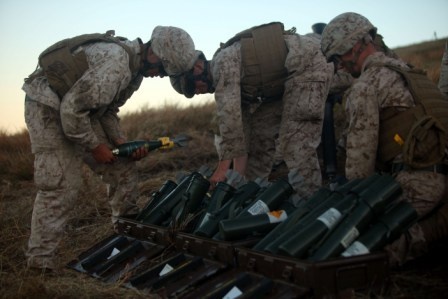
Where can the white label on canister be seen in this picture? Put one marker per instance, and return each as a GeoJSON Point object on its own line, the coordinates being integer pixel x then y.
{"type": "Point", "coordinates": [357, 248]}
{"type": "Point", "coordinates": [166, 269]}
{"type": "Point", "coordinates": [259, 207]}
{"type": "Point", "coordinates": [277, 216]}
{"type": "Point", "coordinates": [114, 252]}
{"type": "Point", "coordinates": [350, 237]}
{"type": "Point", "coordinates": [233, 293]}
{"type": "Point", "coordinates": [330, 218]}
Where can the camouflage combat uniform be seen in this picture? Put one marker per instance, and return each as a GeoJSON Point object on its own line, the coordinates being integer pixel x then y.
{"type": "Point", "coordinates": [378, 88]}
{"type": "Point", "coordinates": [443, 80]}
{"type": "Point", "coordinates": [63, 132]}
{"type": "Point", "coordinates": [296, 120]}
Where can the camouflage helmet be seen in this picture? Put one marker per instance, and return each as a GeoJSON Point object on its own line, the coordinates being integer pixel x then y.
{"type": "Point", "coordinates": [175, 48]}
{"type": "Point", "coordinates": [185, 84]}
{"type": "Point", "coordinates": [343, 32]}
{"type": "Point", "coordinates": [318, 28]}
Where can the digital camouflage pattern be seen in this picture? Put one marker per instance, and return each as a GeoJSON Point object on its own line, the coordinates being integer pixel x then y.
{"type": "Point", "coordinates": [295, 122]}
{"type": "Point", "coordinates": [443, 80]}
{"type": "Point", "coordinates": [342, 33]}
{"type": "Point", "coordinates": [62, 134]}
{"type": "Point", "coordinates": [175, 48]}
{"type": "Point", "coordinates": [379, 87]}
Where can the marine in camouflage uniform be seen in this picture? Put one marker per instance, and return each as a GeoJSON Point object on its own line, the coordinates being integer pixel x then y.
{"type": "Point", "coordinates": [250, 130]}
{"type": "Point", "coordinates": [348, 41]}
{"type": "Point", "coordinates": [83, 126]}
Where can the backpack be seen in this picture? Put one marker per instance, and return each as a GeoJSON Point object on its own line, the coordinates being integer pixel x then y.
{"type": "Point", "coordinates": [420, 132]}
{"type": "Point", "coordinates": [263, 53]}
{"type": "Point", "coordinates": [65, 62]}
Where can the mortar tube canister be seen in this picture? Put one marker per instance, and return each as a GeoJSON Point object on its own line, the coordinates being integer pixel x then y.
{"type": "Point", "coordinates": [242, 227]}
{"type": "Point", "coordinates": [221, 194]}
{"type": "Point", "coordinates": [156, 198]}
{"type": "Point", "coordinates": [103, 252]}
{"type": "Point", "coordinates": [303, 208]}
{"type": "Point", "coordinates": [315, 210]}
{"type": "Point", "coordinates": [192, 197]}
{"type": "Point", "coordinates": [209, 225]}
{"type": "Point", "coordinates": [385, 230]}
{"type": "Point", "coordinates": [300, 241]}
{"type": "Point", "coordinates": [270, 199]}
{"type": "Point", "coordinates": [163, 209]}
{"type": "Point", "coordinates": [372, 201]}
{"type": "Point", "coordinates": [301, 237]}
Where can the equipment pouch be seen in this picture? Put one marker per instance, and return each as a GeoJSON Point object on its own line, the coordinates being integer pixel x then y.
{"type": "Point", "coordinates": [263, 57]}
{"type": "Point", "coordinates": [63, 68]}
{"type": "Point", "coordinates": [425, 144]}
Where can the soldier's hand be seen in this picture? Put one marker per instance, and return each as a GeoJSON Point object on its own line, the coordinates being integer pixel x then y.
{"type": "Point", "coordinates": [217, 177]}
{"type": "Point", "coordinates": [103, 155]}
{"type": "Point", "coordinates": [139, 153]}
{"type": "Point", "coordinates": [220, 173]}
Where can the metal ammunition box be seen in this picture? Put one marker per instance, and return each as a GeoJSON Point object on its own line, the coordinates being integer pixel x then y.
{"type": "Point", "coordinates": [183, 265]}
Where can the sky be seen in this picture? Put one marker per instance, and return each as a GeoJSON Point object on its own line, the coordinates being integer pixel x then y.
{"type": "Point", "coordinates": [28, 27]}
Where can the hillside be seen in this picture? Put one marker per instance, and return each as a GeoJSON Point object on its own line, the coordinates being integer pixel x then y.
{"type": "Point", "coordinates": [90, 219]}
{"type": "Point", "coordinates": [426, 55]}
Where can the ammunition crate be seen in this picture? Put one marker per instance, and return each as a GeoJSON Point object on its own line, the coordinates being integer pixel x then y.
{"type": "Point", "coordinates": [201, 266]}
{"type": "Point", "coordinates": [366, 272]}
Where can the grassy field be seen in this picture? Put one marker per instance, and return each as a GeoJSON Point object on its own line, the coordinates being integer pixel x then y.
{"type": "Point", "coordinates": [90, 219]}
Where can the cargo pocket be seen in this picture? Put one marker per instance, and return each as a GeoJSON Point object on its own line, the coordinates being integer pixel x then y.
{"type": "Point", "coordinates": [311, 100]}
{"type": "Point", "coordinates": [48, 172]}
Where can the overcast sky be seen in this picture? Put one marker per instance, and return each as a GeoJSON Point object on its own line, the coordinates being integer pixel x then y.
{"type": "Point", "coordinates": [28, 27]}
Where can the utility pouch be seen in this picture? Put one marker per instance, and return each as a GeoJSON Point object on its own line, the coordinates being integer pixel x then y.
{"type": "Point", "coordinates": [419, 133]}
{"type": "Point", "coordinates": [425, 144]}
{"type": "Point", "coordinates": [62, 67]}
{"type": "Point", "coordinates": [263, 57]}
{"type": "Point", "coordinates": [65, 62]}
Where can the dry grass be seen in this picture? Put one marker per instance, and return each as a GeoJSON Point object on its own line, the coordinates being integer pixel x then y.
{"type": "Point", "coordinates": [427, 56]}
{"type": "Point", "coordinates": [15, 159]}
{"type": "Point", "coordinates": [90, 218]}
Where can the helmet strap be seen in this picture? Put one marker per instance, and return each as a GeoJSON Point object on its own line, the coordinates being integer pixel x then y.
{"type": "Point", "coordinates": [356, 54]}
{"type": "Point", "coordinates": [204, 76]}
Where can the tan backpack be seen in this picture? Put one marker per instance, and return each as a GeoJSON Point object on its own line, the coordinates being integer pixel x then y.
{"type": "Point", "coordinates": [419, 133]}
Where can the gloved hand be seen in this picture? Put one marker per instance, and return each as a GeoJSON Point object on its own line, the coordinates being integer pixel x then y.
{"type": "Point", "coordinates": [103, 155]}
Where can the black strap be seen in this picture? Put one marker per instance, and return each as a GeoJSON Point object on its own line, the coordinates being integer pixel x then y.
{"type": "Point", "coordinates": [437, 168]}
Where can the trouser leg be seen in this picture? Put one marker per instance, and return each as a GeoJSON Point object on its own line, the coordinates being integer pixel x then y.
{"type": "Point", "coordinates": [57, 175]}
{"type": "Point", "coordinates": [424, 191]}
{"type": "Point", "coordinates": [262, 131]}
